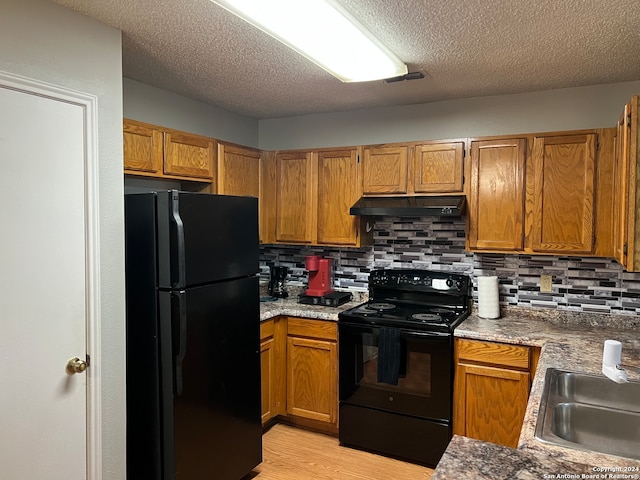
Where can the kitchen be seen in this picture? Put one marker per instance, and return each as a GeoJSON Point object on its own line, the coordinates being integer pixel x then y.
{"type": "Point", "coordinates": [67, 35]}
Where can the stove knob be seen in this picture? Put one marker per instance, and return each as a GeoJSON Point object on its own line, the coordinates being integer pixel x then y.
{"type": "Point", "coordinates": [459, 284]}
{"type": "Point", "coordinates": [449, 283]}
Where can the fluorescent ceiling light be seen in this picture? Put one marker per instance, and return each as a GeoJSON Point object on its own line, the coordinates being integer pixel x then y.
{"type": "Point", "coordinates": [325, 33]}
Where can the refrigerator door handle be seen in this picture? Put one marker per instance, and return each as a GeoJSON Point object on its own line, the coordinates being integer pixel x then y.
{"type": "Point", "coordinates": [179, 266]}
{"type": "Point", "coordinates": [179, 314]}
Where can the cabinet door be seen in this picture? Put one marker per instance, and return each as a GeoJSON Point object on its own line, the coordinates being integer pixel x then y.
{"type": "Point", "coordinates": [238, 171]}
{"type": "Point", "coordinates": [384, 170]}
{"type": "Point", "coordinates": [627, 156]}
{"type": "Point", "coordinates": [496, 195]}
{"type": "Point", "coordinates": [295, 197]}
{"type": "Point", "coordinates": [563, 193]}
{"type": "Point", "coordinates": [438, 168]}
{"type": "Point", "coordinates": [267, 363]}
{"type": "Point", "coordinates": [312, 379]}
{"type": "Point", "coordinates": [188, 155]}
{"type": "Point", "coordinates": [142, 147]}
{"type": "Point", "coordinates": [337, 192]}
{"type": "Point", "coordinates": [494, 401]}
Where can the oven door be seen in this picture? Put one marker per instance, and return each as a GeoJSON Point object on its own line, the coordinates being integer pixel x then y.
{"type": "Point", "coordinates": [423, 364]}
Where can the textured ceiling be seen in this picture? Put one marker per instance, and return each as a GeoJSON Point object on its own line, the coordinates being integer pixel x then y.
{"type": "Point", "coordinates": [465, 48]}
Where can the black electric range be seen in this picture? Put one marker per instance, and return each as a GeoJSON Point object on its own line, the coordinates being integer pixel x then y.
{"type": "Point", "coordinates": [396, 363]}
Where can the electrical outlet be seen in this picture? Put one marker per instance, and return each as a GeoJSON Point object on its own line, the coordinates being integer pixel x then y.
{"type": "Point", "coordinates": [545, 283]}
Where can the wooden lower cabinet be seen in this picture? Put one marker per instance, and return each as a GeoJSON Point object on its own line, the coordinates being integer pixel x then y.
{"type": "Point", "coordinates": [311, 379]}
{"type": "Point", "coordinates": [491, 389]}
{"type": "Point", "coordinates": [272, 363]}
{"type": "Point", "coordinates": [312, 372]}
{"type": "Point", "coordinates": [267, 362]}
{"type": "Point", "coordinates": [299, 361]}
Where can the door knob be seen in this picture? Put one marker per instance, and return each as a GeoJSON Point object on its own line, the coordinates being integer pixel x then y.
{"type": "Point", "coordinates": [75, 365]}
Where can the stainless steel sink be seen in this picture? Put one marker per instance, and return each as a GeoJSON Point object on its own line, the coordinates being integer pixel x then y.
{"type": "Point", "coordinates": [594, 390]}
{"type": "Point", "coordinates": [590, 412]}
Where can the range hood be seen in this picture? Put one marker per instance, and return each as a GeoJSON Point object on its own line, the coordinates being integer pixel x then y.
{"type": "Point", "coordinates": [409, 206]}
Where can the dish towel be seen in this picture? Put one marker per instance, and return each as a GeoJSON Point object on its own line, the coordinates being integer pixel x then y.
{"type": "Point", "coordinates": [389, 351]}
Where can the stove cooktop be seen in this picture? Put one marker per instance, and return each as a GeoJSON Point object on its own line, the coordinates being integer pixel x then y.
{"type": "Point", "coordinates": [423, 317]}
{"type": "Point", "coordinates": [419, 299]}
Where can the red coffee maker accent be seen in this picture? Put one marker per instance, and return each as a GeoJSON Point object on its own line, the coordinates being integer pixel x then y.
{"type": "Point", "coordinates": [319, 276]}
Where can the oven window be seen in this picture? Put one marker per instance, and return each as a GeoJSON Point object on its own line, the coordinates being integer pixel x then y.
{"type": "Point", "coordinates": [413, 367]}
{"type": "Point", "coordinates": [396, 370]}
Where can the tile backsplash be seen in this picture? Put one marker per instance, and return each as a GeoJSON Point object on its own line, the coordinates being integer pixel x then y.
{"type": "Point", "coordinates": [436, 243]}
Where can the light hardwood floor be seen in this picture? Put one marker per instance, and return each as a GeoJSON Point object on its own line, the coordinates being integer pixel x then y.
{"type": "Point", "coordinates": [291, 453]}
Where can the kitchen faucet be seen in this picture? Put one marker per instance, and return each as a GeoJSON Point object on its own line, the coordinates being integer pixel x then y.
{"type": "Point", "coordinates": [612, 365]}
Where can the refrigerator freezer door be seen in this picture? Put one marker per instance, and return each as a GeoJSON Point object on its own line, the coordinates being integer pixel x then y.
{"type": "Point", "coordinates": [205, 238]}
{"type": "Point", "coordinates": [213, 377]}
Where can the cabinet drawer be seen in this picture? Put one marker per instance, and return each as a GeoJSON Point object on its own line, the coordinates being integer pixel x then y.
{"type": "Point", "coordinates": [299, 327]}
{"type": "Point", "coordinates": [515, 356]}
{"type": "Point", "coordinates": [266, 329]}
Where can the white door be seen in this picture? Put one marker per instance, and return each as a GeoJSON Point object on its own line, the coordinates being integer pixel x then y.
{"type": "Point", "coordinates": [43, 287]}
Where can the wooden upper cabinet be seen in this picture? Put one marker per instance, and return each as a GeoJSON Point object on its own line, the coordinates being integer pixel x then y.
{"type": "Point", "coordinates": [496, 195]}
{"type": "Point", "coordinates": [384, 170]}
{"type": "Point", "coordinates": [337, 192]}
{"type": "Point", "coordinates": [295, 197]}
{"type": "Point", "coordinates": [626, 192]}
{"type": "Point", "coordinates": [238, 170]}
{"type": "Point", "coordinates": [153, 151]}
{"type": "Point", "coordinates": [142, 145]}
{"type": "Point", "coordinates": [188, 155]}
{"type": "Point", "coordinates": [564, 178]}
{"type": "Point", "coordinates": [314, 191]}
{"type": "Point", "coordinates": [438, 168]}
{"type": "Point", "coordinates": [241, 171]}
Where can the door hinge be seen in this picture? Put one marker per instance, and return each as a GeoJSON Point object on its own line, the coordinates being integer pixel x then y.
{"type": "Point", "coordinates": [625, 249]}
{"type": "Point", "coordinates": [88, 360]}
{"type": "Point", "coordinates": [464, 152]}
{"type": "Point", "coordinates": [628, 120]}
{"type": "Point", "coordinates": [358, 158]}
{"type": "Point", "coordinates": [597, 145]}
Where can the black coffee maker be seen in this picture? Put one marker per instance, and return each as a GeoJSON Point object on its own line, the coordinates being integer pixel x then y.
{"type": "Point", "coordinates": [277, 282]}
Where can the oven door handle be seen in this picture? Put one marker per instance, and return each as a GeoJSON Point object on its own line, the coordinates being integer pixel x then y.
{"type": "Point", "coordinates": [441, 337]}
{"type": "Point", "coordinates": [437, 336]}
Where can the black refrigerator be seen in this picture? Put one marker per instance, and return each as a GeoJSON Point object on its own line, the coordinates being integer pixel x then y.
{"type": "Point", "coordinates": [193, 347]}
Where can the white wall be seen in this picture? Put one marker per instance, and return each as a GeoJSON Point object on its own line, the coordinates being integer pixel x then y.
{"type": "Point", "coordinates": [149, 104]}
{"type": "Point", "coordinates": [564, 109]}
{"type": "Point", "coordinates": [47, 42]}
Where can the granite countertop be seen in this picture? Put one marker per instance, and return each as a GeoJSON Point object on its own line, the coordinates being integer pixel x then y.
{"type": "Point", "coordinates": [290, 306]}
{"type": "Point", "coordinates": [568, 341]}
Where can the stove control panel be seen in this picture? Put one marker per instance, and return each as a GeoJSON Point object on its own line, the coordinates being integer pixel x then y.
{"type": "Point", "coordinates": [424, 280]}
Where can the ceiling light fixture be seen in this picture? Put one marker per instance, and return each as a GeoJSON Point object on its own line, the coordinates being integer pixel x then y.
{"type": "Point", "coordinates": [325, 33]}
